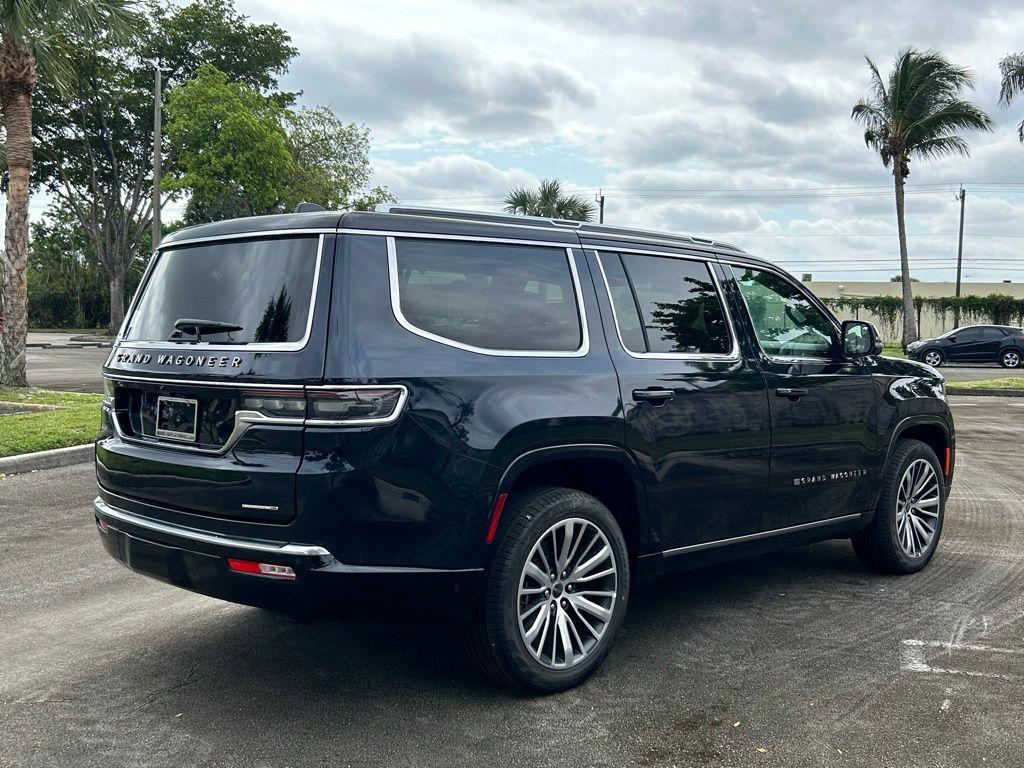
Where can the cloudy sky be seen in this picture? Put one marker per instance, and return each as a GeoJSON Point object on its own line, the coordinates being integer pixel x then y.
{"type": "Point", "coordinates": [720, 118]}
{"type": "Point", "coordinates": [717, 118]}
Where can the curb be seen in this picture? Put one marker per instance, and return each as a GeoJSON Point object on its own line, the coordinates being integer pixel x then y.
{"type": "Point", "coordinates": [986, 392]}
{"type": "Point", "coordinates": [58, 457]}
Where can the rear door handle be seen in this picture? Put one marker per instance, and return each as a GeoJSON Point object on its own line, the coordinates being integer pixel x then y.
{"type": "Point", "coordinates": [655, 397]}
{"type": "Point", "coordinates": [793, 393]}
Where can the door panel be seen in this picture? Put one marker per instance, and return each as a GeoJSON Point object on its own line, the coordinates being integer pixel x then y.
{"type": "Point", "coordinates": [697, 420]}
{"type": "Point", "coordinates": [824, 450]}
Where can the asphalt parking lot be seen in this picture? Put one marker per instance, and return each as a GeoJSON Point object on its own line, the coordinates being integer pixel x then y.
{"type": "Point", "coordinates": [799, 659]}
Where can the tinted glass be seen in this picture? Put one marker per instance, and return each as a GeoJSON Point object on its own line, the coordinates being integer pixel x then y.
{"type": "Point", "coordinates": [967, 334]}
{"type": "Point", "coordinates": [787, 324]}
{"type": "Point", "coordinates": [265, 286]}
{"type": "Point", "coordinates": [678, 303]}
{"type": "Point", "coordinates": [502, 297]}
{"type": "Point", "coordinates": [991, 334]}
{"type": "Point", "coordinates": [627, 316]}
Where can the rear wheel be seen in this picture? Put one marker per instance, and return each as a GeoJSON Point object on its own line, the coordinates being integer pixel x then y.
{"type": "Point", "coordinates": [556, 593]}
{"type": "Point", "coordinates": [1010, 358]}
{"type": "Point", "coordinates": [934, 358]}
{"type": "Point", "coordinates": [907, 524]}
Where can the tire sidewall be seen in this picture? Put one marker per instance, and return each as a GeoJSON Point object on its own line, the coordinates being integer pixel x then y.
{"type": "Point", "coordinates": [914, 452]}
{"type": "Point", "coordinates": [530, 672]}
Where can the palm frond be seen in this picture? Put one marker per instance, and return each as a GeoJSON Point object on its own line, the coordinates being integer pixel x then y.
{"type": "Point", "coordinates": [1012, 70]}
{"type": "Point", "coordinates": [941, 146]}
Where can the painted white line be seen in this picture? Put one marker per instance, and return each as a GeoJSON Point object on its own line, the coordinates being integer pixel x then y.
{"type": "Point", "coordinates": [912, 658]}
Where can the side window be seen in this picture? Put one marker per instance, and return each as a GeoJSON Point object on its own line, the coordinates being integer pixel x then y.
{"type": "Point", "coordinates": [968, 334]}
{"type": "Point", "coordinates": [489, 296]}
{"type": "Point", "coordinates": [991, 334]}
{"type": "Point", "coordinates": [787, 324]}
{"type": "Point", "coordinates": [666, 305]}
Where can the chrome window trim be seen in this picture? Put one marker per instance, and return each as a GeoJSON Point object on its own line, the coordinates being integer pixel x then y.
{"type": "Point", "coordinates": [246, 419]}
{"type": "Point", "coordinates": [198, 382]}
{"type": "Point", "coordinates": [733, 355]}
{"type": "Point", "coordinates": [396, 309]}
{"type": "Point", "coordinates": [760, 535]}
{"type": "Point", "coordinates": [180, 531]}
{"type": "Point", "coordinates": [250, 233]}
{"type": "Point", "coordinates": [284, 346]}
{"type": "Point", "coordinates": [814, 300]}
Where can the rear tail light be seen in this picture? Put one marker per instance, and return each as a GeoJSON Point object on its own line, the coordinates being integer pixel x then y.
{"type": "Point", "coordinates": [369, 405]}
{"type": "Point", "coordinates": [257, 568]}
{"type": "Point", "coordinates": [329, 406]}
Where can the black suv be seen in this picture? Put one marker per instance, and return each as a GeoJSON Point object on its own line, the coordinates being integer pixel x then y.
{"type": "Point", "coordinates": [1003, 344]}
{"type": "Point", "coordinates": [514, 420]}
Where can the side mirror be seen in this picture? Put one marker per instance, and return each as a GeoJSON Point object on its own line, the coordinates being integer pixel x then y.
{"type": "Point", "coordinates": [952, 338]}
{"type": "Point", "coordinates": [860, 339]}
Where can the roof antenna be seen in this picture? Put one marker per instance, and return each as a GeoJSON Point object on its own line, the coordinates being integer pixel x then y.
{"type": "Point", "coordinates": [305, 207]}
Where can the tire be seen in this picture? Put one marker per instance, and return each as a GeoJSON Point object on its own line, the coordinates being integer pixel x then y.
{"type": "Point", "coordinates": [933, 355]}
{"type": "Point", "coordinates": [1010, 358]}
{"type": "Point", "coordinates": [497, 636]}
{"type": "Point", "coordinates": [886, 545]}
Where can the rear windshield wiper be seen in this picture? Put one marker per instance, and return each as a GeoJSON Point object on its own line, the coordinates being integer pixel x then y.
{"type": "Point", "coordinates": [198, 327]}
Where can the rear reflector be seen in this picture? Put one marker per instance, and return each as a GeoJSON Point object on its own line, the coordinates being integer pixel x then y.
{"type": "Point", "coordinates": [492, 527]}
{"type": "Point", "coordinates": [949, 457]}
{"type": "Point", "coordinates": [261, 569]}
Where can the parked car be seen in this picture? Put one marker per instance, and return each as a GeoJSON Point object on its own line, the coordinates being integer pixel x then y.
{"type": "Point", "coordinates": [1003, 344]}
{"type": "Point", "coordinates": [502, 420]}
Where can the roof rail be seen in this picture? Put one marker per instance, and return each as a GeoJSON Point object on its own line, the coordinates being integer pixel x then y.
{"type": "Point", "coordinates": [517, 220]}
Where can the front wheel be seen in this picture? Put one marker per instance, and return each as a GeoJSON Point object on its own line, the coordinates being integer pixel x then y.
{"type": "Point", "coordinates": [933, 358]}
{"type": "Point", "coordinates": [556, 592]}
{"type": "Point", "coordinates": [1010, 358]}
{"type": "Point", "coordinates": [907, 524]}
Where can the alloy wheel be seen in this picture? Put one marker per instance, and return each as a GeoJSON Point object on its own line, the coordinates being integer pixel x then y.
{"type": "Point", "coordinates": [567, 593]}
{"type": "Point", "coordinates": [933, 359]}
{"type": "Point", "coordinates": [1011, 359]}
{"type": "Point", "coordinates": [917, 508]}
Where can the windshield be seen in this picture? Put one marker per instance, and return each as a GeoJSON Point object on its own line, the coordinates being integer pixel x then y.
{"type": "Point", "coordinates": [236, 292]}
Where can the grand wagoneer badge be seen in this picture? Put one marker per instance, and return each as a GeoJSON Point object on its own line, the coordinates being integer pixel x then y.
{"type": "Point", "coordinates": [206, 361]}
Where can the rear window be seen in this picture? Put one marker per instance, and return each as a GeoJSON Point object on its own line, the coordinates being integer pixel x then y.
{"type": "Point", "coordinates": [263, 286]}
{"type": "Point", "coordinates": [488, 296]}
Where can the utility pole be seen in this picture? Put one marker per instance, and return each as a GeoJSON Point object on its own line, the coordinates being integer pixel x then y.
{"type": "Point", "coordinates": [599, 197]}
{"type": "Point", "coordinates": [157, 142]}
{"type": "Point", "coordinates": [959, 255]}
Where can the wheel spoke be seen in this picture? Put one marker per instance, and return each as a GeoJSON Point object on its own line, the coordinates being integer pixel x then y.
{"type": "Point", "coordinates": [918, 505]}
{"type": "Point", "coordinates": [534, 572]}
{"type": "Point", "coordinates": [592, 608]}
{"type": "Point", "coordinates": [584, 568]}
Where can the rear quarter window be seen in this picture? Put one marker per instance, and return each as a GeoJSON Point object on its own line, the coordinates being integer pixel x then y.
{"type": "Point", "coordinates": [488, 296]}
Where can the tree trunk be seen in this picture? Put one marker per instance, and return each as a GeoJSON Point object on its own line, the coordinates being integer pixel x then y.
{"type": "Point", "coordinates": [116, 301]}
{"type": "Point", "coordinates": [909, 314]}
{"type": "Point", "coordinates": [16, 104]}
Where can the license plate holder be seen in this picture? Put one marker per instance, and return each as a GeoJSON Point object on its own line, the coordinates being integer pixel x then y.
{"type": "Point", "coordinates": [177, 418]}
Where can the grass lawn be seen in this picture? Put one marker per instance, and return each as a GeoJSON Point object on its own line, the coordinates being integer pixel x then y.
{"type": "Point", "coordinates": [1010, 382]}
{"type": "Point", "coordinates": [76, 422]}
{"type": "Point", "coordinates": [893, 350]}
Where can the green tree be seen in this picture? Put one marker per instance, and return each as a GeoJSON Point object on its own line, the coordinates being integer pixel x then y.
{"type": "Point", "coordinates": [231, 149]}
{"type": "Point", "coordinates": [549, 202]}
{"type": "Point", "coordinates": [35, 45]}
{"type": "Point", "coordinates": [1012, 70]}
{"type": "Point", "coordinates": [95, 142]}
{"type": "Point", "coordinates": [331, 162]}
{"type": "Point", "coordinates": [916, 113]}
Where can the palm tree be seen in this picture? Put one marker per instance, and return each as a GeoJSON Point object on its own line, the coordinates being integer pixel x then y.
{"type": "Point", "coordinates": [34, 43]}
{"type": "Point", "coordinates": [549, 202]}
{"type": "Point", "coordinates": [916, 113]}
{"type": "Point", "coordinates": [1012, 70]}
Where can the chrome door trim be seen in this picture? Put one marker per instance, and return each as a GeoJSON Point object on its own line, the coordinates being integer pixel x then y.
{"type": "Point", "coordinates": [733, 355]}
{"type": "Point", "coordinates": [760, 535]}
{"type": "Point", "coordinates": [248, 234]}
{"type": "Point", "coordinates": [122, 515]}
{"type": "Point", "coordinates": [285, 346]}
{"type": "Point", "coordinates": [462, 238]}
{"type": "Point", "coordinates": [396, 308]}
